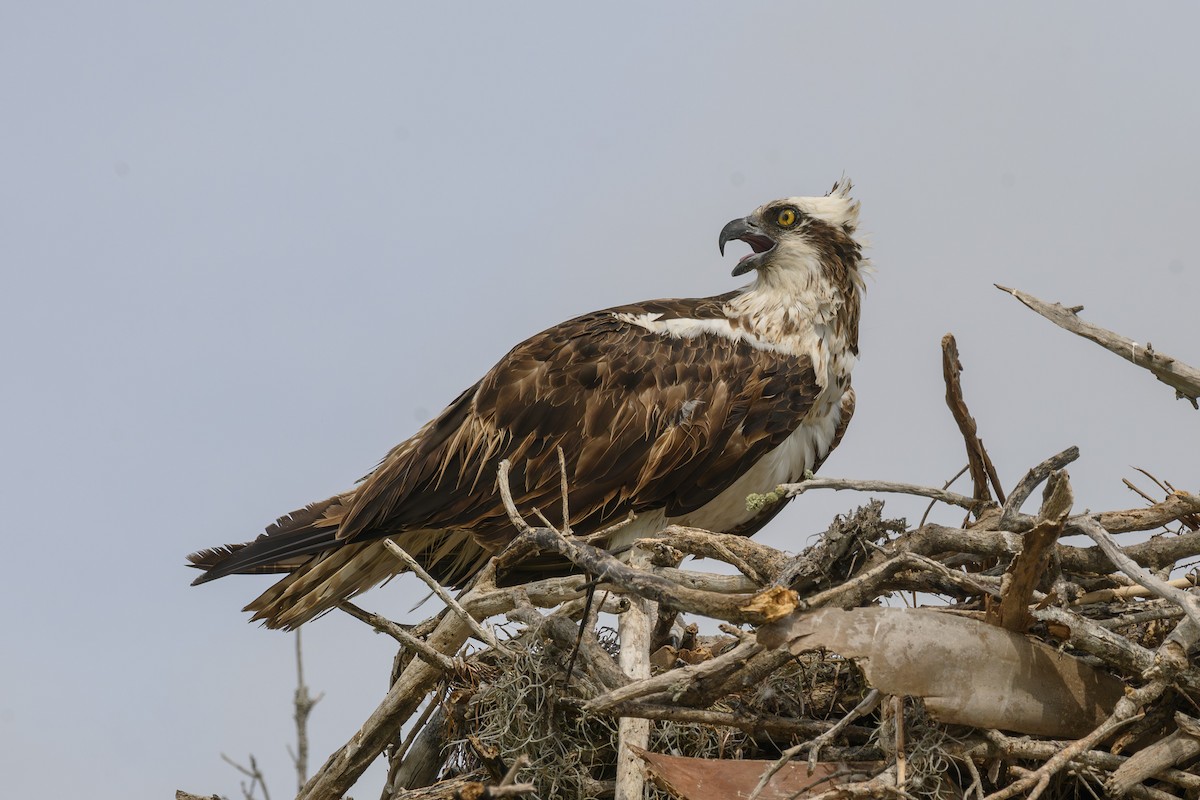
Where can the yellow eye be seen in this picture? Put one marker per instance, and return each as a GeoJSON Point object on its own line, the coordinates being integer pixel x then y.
{"type": "Point", "coordinates": [786, 217]}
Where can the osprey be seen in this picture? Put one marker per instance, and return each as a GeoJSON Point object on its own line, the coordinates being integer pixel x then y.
{"type": "Point", "coordinates": [674, 410]}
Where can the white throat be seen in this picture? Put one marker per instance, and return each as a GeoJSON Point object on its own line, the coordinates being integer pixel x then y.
{"type": "Point", "coordinates": [794, 305]}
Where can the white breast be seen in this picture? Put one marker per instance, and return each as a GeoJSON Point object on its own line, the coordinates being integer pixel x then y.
{"type": "Point", "coordinates": [787, 463]}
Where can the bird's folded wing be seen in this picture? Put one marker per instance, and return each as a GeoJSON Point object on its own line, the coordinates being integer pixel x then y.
{"type": "Point", "coordinates": [645, 419]}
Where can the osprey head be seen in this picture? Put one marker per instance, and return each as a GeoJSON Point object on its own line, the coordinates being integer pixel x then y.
{"type": "Point", "coordinates": [794, 228]}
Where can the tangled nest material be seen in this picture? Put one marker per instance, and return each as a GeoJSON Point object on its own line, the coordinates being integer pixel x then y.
{"type": "Point", "coordinates": [516, 705]}
{"type": "Point", "coordinates": [500, 703]}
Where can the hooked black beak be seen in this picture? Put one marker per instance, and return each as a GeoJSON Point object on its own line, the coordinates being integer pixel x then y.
{"type": "Point", "coordinates": [748, 231]}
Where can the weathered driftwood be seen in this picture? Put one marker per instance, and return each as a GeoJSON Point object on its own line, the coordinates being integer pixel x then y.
{"type": "Point", "coordinates": [1177, 748]}
{"type": "Point", "coordinates": [1029, 567]}
{"type": "Point", "coordinates": [1184, 379]}
{"type": "Point", "coordinates": [1185, 600]}
{"type": "Point", "coordinates": [979, 463]}
{"type": "Point", "coordinates": [634, 659]}
{"type": "Point", "coordinates": [885, 487]}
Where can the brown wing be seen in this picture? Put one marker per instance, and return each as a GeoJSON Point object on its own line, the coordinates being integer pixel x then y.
{"type": "Point", "coordinates": [769, 511]}
{"type": "Point", "coordinates": [645, 421]}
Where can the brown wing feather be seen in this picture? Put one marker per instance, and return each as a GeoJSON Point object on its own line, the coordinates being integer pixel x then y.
{"type": "Point", "coordinates": [645, 421]}
{"type": "Point", "coordinates": [768, 512]}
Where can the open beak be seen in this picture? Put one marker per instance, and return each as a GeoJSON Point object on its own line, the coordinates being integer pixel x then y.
{"type": "Point", "coordinates": [748, 231]}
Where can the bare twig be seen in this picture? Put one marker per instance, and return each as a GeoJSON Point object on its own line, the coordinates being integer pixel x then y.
{"type": "Point", "coordinates": [482, 633]}
{"type": "Point", "coordinates": [1127, 711]}
{"type": "Point", "coordinates": [566, 508]}
{"type": "Point", "coordinates": [1147, 612]}
{"type": "Point", "coordinates": [999, 745]}
{"type": "Point", "coordinates": [253, 773]}
{"type": "Point", "coordinates": [643, 583]}
{"type": "Point", "coordinates": [1129, 484]}
{"type": "Point", "coordinates": [1165, 488]}
{"type": "Point", "coordinates": [344, 766]}
{"type": "Point", "coordinates": [751, 723]}
{"type": "Point", "coordinates": [866, 706]}
{"type": "Point", "coordinates": [932, 503]}
{"type": "Point", "coordinates": [303, 707]}
{"type": "Point", "coordinates": [675, 681]}
{"type": "Point", "coordinates": [1028, 568]}
{"type": "Point", "coordinates": [979, 462]}
{"type": "Point", "coordinates": [887, 487]}
{"type": "Point", "coordinates": [1130, 592]}
{"type": "Point", "coordinates": [418, 646]}
{"type": "Point", "coordinates": [1184, 379]}
{"type": "Point", "coordinates": [1185, 600]}
{"type": "Point", "coordinates": [1032, 479]}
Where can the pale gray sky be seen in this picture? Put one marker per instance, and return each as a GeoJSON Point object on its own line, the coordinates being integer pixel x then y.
{"type": "Point", "coordinates": [247, 247]}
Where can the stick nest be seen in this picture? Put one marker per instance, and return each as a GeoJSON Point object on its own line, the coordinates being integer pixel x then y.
{"type": "Point", "coordinates": [1033, 667]}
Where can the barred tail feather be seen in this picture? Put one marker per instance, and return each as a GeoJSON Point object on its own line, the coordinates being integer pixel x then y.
{"type": "Point", "coordinates": [277, 552]}
{"type": "Point", "coordinates": [322, 583]}
{"type": "Point", "coordinates": [324, 572]}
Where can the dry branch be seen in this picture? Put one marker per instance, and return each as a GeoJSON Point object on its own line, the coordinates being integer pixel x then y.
{"type": "Point", "coordinates": [406, 639]}
{"type": "Point", "coordinates": [682, 696]}
{"type": "Point", "coordinates": [771, 724]}
{"type": "Point", "coordinates": [1029, 567]}
{"type": "Point", "coordinates": [349, 762]}
{"type": "Point", "coordinates": [303, 704]}
{"type": "Point", "coordinates": [1126, 711]}
{"type": "Point", "coordinates": [885, 487]}
{"type": "Point", "coordinates": [1185, 600]}
{"type": "Point", "coordinates": [1184, 379]}
{"type": "Point", "coordinates": [868, 704]}
{"type": "Point", "coordinates": [1030, 481]}
{"type": "Point", "coordinates": [749, 556]}
{"type": "Point", "coordinates": [1178, 748]}
{"type": "Point", "coordinates": [983, 471]}
{"type": "Point", "coordinates": [634, 659]}
{"type": "Point", "coordinates": [481, 632]}
{"type": "Point", "coordinates": [999, 745]}
{"type": "Point", "coordinates": [982, 541]}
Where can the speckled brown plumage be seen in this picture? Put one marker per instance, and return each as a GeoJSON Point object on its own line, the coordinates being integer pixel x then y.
{"type": "Point", "coordinates": [659, 408]}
